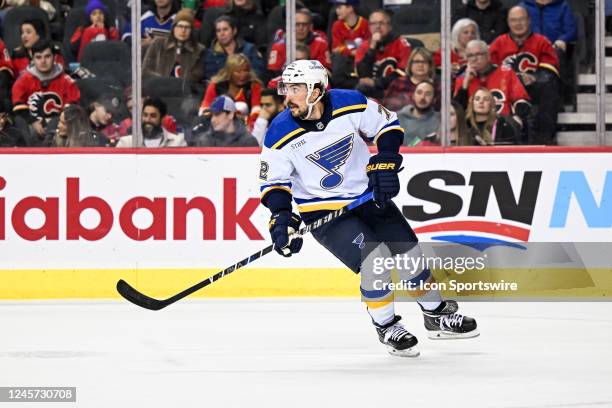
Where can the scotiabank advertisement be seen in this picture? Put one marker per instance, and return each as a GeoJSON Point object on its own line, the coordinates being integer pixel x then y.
{"type": "Point", "coordinates": [187, 210]}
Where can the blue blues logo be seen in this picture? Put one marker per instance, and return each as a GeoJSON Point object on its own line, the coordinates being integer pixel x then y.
{"type": "Point", "coordinates": [330, 159]}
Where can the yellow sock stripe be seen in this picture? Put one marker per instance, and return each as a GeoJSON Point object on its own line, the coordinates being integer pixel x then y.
{"type": "Point", "coordinates": [377, 304]}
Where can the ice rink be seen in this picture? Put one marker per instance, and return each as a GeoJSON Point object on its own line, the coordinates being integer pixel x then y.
{"type": "Point", "coordinates": [304, 353]}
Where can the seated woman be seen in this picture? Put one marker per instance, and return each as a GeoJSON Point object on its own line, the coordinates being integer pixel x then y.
{"type": "Point", "coordinates": [21, 56]}
{"type": "Point", "coordinates": [485, 127]}
{"type": "Point", "coordinates": [73, 129]}
{"type": "Point", "coordinates": [464, 31]}
{"type": "Point", "coordinates": [180, 55]}
{"type": "Point", "coordinates": [99, 29]}
{"type": "Point", "coordinates": [238, 80]}
{"type": "Point", "coordinates": [401, 90]}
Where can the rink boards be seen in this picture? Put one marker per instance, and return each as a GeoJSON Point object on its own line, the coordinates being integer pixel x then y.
{"type": "Point", "coordinates": [73, 222]}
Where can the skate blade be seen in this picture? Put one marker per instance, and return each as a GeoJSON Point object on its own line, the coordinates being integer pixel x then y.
{"type": "Point", "coordinates": [409, 352]}
{"type": "Point", "coordinates": [445, 335]}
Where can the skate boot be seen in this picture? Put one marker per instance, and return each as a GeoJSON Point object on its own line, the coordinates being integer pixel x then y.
{"type": "Point", "coordinates": [397, 339]}
{"type": "Point", "coordinates": [445, 323]}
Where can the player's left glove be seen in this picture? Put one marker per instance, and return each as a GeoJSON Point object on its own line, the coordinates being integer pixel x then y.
{"type": "Point", "coordinates": [382, 174]}
{"type": "Point", "coordinates": [282, 225]}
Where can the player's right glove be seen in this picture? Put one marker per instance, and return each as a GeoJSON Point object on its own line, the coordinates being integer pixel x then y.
{"type": "Point", "coordinates": [282, 225]}
{"type": "Point", "coordinates": [383, 179]}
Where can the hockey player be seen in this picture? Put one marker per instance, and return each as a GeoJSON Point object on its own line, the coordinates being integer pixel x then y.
{"type": "Point", "coordinates": [313, 153]}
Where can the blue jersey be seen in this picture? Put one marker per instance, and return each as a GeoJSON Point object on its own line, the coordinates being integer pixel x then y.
{"type": "Point", "coordinates": [150, 26]}
{"type": "Point", "coordinates": [322, 163]}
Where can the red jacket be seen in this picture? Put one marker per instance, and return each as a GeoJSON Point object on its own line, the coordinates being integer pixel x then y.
{"type": "Point", "coordinates": [319, 50]}
{"type": "Point", "coordinates": [83, 36]}
{"type": "Point", "coordinates": [535, 53]}
{"type": "Point", "coordinates": [389, 57]}
{"type": "Point", "coordinates": [346, 40]}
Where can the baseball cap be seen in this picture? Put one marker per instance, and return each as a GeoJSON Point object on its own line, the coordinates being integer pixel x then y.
{"type": "Point", "coordinates": [222, 103]}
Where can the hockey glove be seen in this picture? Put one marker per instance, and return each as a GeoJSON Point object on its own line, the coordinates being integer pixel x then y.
{"type": "Point", "coordinates": [382, 174]}
{"type": "Point", "coordinates": [282, 225]}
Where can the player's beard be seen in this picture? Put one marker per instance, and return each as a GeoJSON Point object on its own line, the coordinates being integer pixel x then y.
{"type": "Point", "coordinates": [301, 114]}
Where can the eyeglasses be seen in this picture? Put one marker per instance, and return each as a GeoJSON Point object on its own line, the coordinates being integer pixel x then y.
{"type": "Point", "coordinates": [377, 23]}
{"type": "Point", "coordinates": [476, 55]}
{"type": "Point", "coordinates": [302, 24]}
{"type": "Point", "coordinates": [267, 105]}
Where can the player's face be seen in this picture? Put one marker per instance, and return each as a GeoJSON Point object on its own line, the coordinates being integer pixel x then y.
{"type": "Point", "coordinates": [97, 17]}
{"type": "Point", "coordinates": [224, 33]}
{"type": "Point", "coordinates": [423, 96]}
{"type": "Point", "coordinates": [43, 61]}
{"type": "Point", "coordinates": [482, 102]}
{"type": "Point", "coordinates": [518, 21]}
{"type": "Point", "coordinates": [220, 121]}
{"type": "Point", "coordinates": [29, 36]}
{"type": "Point", "coordinates": [302, 26]}
{"type": "Point", "coordinates": [295, 99]}
{"type": "Point", "coordinates": [466, 35]}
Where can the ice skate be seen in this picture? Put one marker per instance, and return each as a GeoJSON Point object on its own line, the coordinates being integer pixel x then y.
{"type": "Point", "coordinates": [398, 340]}
{"type": "Point", "coordinates": [445, 323]}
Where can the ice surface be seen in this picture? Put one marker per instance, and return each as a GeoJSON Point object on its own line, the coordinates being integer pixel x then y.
{"type": "Point", "coordinates": [305, 353]}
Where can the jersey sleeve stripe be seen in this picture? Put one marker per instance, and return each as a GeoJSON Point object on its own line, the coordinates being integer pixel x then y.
{"type": "Point", "coordinates": [350, 109]}
{"type": "Point", "coordinates": [326, 205]}
{"type": "Point", "coordinates": [388, 129]}
{"type": "Point", "coordinates": [550, 67]}
{"type": "Point", "coordinates": [286, 139]}
{"type": "Point", "coordinates": [266, 190]}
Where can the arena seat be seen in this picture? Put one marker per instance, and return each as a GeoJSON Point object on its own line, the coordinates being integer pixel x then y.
{"type": "Point", "coordinates": [13, 19]}
{"type": "Point", "coordinates": [75, 18]}
{"type": "Point", "coordinates": [108, 59]}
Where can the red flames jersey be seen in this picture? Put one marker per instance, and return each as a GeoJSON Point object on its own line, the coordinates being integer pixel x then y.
{"type": "Point", "coordinates": [44, 101]}
{"type": "Point", "coordinates": [5, 59]}
{"type": "Point", "coordinates": [535, 53]}
{"type": "Point", "coordinates": [346, 40]}
{"type": "Point", "coordinates": [393, 56]}
{"type": "Point", "coordinates": [319, 50]}
{"type": "Point", "coordinates": [505, 86]}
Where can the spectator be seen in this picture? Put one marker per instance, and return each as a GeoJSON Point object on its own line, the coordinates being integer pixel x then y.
{"type": "Point", "coordinates": [319, 48]}
{"type": "Point", "coordinates": [420, 68]}
{"type": "Point", "coordinates": [154, 135]}
{"type": "Point", "coordinates": [420, 121]}
{"type": "Point", "coordinates": [225, 129]}
{"type": "Point", "coordinates": [464, 31]}
{"type": "Point", "coordinates": [154, 23]}
{"type": "Point", "coordinates": [32, 31]}
{"type": "Point", "coordinates": [302, 52]}
{"type": "Point", "coordinates": [511, 98]}
{"type": "Point", "coordinates": [238, 81]}
{"type": "Point", "coordinates": [73, 129]}
{"type": "Point", "coordinates": [271, 105]}
{"type": "Point", "coordinates": [125, 127]}
{"type": "Point", "coordinates": [225, 44]}
{"type": "Point", "coordinates": [101, 114]}
{"type": "Point", "coordinates": [485, 127]}
{"type": "Point", "coordinates": [350, 30]}
{"type": "Point", "coordinates": [380, 59]}
{"type": "Point", "coordinates": [180, 55]}
{"type": "Point", "coordinates": [7, 75]}
{"type": "Point", "coordinates": [556, 21]}
{"type": "Point", "coordinates": [41, 92]}
{"type": "Point", "coordinates": [250, 21]}
{"type": "Point", "coordinates": [489, 15]}
{"type": "Point", "coordinates": [10, 136]}
{"type": "Point", "coordinates": [458, 125]}
{"type": "Point", "coordinates": [100, 28]}
{"type": "Point", "coordinates": [535, 62]}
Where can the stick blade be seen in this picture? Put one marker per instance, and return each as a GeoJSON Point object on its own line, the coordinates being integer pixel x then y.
{"type": "Point", "coordinates": [137, 298]}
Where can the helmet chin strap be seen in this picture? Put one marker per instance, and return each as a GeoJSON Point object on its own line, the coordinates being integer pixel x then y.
{"type": "Point", "coordinates": [310, 105]}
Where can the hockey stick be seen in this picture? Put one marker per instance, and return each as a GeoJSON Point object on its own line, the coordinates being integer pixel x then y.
{"type": "Point", "coordinates": [147, 302]}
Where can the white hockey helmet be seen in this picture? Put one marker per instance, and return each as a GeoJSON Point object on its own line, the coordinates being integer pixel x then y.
{"type": "Point", "coordinates": [308, 72]}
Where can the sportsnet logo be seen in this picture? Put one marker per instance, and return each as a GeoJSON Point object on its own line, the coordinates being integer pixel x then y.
{"type": "Point", "coordinates": [516, 210]}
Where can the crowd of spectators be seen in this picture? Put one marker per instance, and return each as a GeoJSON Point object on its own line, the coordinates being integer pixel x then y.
{"type": "Point", "coordinates": [223, 60]}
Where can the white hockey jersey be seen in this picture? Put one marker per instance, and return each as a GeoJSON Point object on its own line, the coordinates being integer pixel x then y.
{"type": "Point", "coordinates": [322, 163]}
